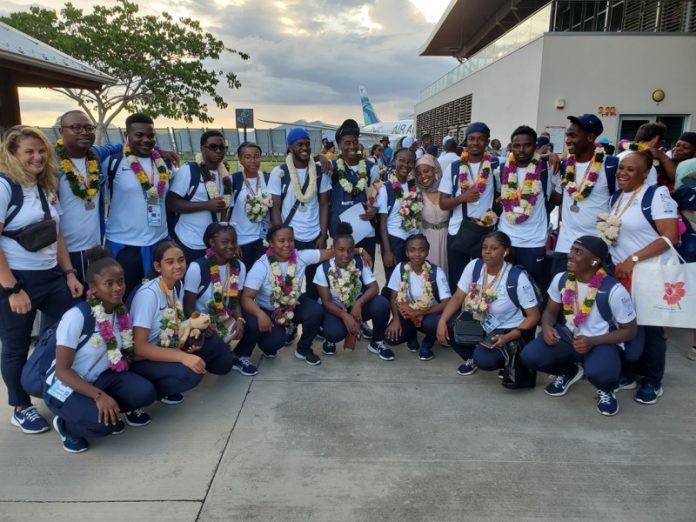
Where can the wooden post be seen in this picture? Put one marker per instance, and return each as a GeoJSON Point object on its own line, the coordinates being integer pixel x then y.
{"type": "Point", "coordinates": [9, 101]}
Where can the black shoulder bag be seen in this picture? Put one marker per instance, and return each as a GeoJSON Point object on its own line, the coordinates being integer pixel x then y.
{"type": "Point", "coordinates": [38, 235]}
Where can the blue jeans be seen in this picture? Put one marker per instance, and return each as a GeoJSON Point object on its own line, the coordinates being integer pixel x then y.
{"type": "Point", "coordinates": [409, 331]}
{"type": "Point", "coordinates": [377, 309]}
{"type": "Point", "coordinates": [78, 414]}
{"type": "Point", "coordinates": [48, 292]}
{"type": "Point", "coordinates": [602, 364]}
{"type": "Point", "coordinates": [308, 313]}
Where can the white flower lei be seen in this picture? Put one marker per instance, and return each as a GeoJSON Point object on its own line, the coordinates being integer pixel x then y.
{"type": "Point", "coordinates": [169, 332]}
{"type": "Point", "coordinates": [295, 181]}
{"type": "Point", "coordinates": [284, 304]}
{"type": "Point", "coordinates": [346, 283]}
{"type": "Point", "coordinates": [126, 335]}
{"type": "Point", "coordinates": [211, 187]}
{"type": "Point", "coordinates": [362, 175]}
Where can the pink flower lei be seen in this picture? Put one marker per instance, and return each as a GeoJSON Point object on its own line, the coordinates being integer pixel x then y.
{"type": "Point", "coordinates": [284, 289]}
{"type": "Point", "coordinates": [530, 195]}
{"type": "Point", "coordinates": [118, 359]}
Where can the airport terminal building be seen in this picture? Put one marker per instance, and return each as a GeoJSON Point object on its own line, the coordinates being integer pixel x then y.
{"type": "Point", "coordinates": [535, 62]}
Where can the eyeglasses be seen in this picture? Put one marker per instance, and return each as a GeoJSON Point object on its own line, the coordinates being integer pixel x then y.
{"type": "Point", "coordinates": [216, 148]}
{"type": "Point", "coordinates": [79, 129]}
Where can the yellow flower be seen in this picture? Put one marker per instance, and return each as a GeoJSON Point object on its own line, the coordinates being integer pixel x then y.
{"type": "Point", "coordinates": [91, 192]}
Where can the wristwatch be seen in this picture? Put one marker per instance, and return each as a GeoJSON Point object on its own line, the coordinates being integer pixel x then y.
{"type": "Point", "coordinates": [14, 289]}
{"type": "Point", "coordinates": [635, 259]}
{"type": "Point", "coordinates": [69, 271]}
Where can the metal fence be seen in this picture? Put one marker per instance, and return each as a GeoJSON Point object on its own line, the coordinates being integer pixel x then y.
{"type": "Point", "coordinates": [186, 141]}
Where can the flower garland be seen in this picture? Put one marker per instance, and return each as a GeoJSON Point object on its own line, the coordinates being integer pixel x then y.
{"type": "Point", "coordinates": [225, 299]}
{"type": "Point", "coordinates": [411, 202]}
{"type": "Point", "coordinates": [211, 186]}
{"type": "Point", "coordinates": [636, 146]}
{"type": "Point", "coordinates": [302, 197]}
{"type": "Point", "coordinates": [342, 175]}
{"type": "Point", "coordinates": [81, 188]}
{"type": "Point", "coordinates": [568, 181]}
{"type": "Point", "coordinates": [518, 204]}
{"type": "Point", "coordinates": [609, 223]}
{"type": "Point", "coordinates": [171, 319]}
{"type": "Point", "coordinates": [118, 358]}
{"type": "Point", "coordinates": [483, 177]}
{"type": "Point", "coordinates": [150, 191]}
{"type": "Point", "coordinates": [426, 298]}
{"type": "Point", "coordinates": [576, 315]}
{"type": "Point", "coordinates": [479, 297]}
{"type": "Point", "coordinates": [346, 283]}
{"type": "Point", "coordinates": [285, 290]}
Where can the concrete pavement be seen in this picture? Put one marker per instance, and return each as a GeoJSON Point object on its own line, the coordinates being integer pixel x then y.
{"type": "Point", "coordinates": [357, 438]}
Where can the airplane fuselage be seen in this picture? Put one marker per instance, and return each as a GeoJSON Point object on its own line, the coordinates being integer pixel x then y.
{"type": "Point", "coordinates": [391, 128]}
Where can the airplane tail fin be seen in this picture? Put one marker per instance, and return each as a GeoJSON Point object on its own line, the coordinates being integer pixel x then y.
{"type": "Point", "coordinates": [369, 114]}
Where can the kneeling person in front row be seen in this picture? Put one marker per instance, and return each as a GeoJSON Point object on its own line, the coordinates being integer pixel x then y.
{"type": "Point", "coordinates": [349, 293]}
{"type": "Point", "coordinates": [598, 317]}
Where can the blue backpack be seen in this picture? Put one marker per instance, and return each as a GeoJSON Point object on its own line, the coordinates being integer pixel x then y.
{"type": "Point", "coordinates": [238, 183]}
{"type": "Point", "coordinates": [16, 199]}
{"type": "Point", "coordinates": [433, 278]}
{"type": "Point", "coordinates": [42, 359]}
{"type": "Point", "coordinates": [646, 204]}
{"type": "Point", "coordinates": [326, 265]}
{"type": "Point", "coordinates": [512, 282]}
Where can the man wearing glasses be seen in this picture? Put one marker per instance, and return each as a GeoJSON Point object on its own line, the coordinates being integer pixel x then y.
{"type": "Point", "coordinates": [199, 195]}
{"type": "Point", "coordinates": [80, 178]}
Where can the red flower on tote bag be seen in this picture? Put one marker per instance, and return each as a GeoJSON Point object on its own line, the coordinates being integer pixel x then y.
{"type": "Point", "coordinates": [674, 292]}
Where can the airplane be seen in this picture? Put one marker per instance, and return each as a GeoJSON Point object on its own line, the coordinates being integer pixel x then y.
{"type": "Point", "coordinates": [373, 129]}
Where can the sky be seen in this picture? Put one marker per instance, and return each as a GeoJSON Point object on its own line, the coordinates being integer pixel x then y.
{"type": "Point", "coordinates": [308, 57]}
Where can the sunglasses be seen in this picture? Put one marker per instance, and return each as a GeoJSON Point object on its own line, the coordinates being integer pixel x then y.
{"type": "Point", "coordinates": [216, 148]}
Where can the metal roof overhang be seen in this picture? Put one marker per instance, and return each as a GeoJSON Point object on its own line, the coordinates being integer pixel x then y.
{"type": "Point", "coordinates": [467, 26]}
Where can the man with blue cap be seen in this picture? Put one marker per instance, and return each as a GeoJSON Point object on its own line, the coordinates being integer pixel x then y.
{"type": "Point", "coordinates": [587, 182]}
{"type": "Point", "coordinates": [301, 195]}
{"type": "Point", "coordinates": [468, 191]}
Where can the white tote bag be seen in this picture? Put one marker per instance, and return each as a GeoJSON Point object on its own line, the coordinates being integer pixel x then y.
{"type": "Point", "coordinates": [664, 293]}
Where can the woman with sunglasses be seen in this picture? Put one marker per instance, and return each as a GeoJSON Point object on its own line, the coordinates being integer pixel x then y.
{"type": "Point", "coordinates": [200, 193]}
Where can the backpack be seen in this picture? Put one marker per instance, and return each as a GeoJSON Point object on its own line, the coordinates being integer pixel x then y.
{"type": "Point", "coordinates": [511, 284]}
{"type": "Point", "coordinates": [41, 362]}
{"type": "Point", "coordinates": [433, 278]}
{"type": "Point", "coordinates": [16, 200]}
{"type": "Point", "coordinates": [602, 300]}
{"type": "Point", "coordinates": [611, 163]}
{"type": "Point", "coordinates": [285, 180]}
{"type": "Point", "coordinates": [645, 204]}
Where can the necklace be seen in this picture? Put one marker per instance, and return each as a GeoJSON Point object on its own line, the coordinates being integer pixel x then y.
{"type": "Point", "coordinates": [584, 189]}
{"type": "Point", "coordinates": [285, 289]}
{"type": "Point", "coordinates": [576, 314]}
{"type": "Point", "coordinates": [85, 187]}
{"type": "Point", "coordinates": [172, 316]}
{"type": "Point", "coordinates": [225, 299]}
{"type": "Point", "coordinates": [481, 181]}
{"type": "Point", "coordinates": [609, 223]}
{"type": "Point", "coordinates": [404, 297]}
{"type": "Point", "coordinates": [346, 283]}
{"type": "Point", "coordinates": [302, 197]}
{"type": "Point", "coordinates": [259, 202]}
{"type": "Point", "coordinates": [151, 191]}
{"type": "Point", "coordinates": [479, 297]}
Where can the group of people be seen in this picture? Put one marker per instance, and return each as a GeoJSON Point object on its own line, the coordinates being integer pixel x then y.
{"type": "Point", "coordinates": [155, 275]}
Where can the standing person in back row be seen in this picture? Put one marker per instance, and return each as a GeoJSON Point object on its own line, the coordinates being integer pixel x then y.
{"type": "Point", "coordinates": [301, 193]}
{"type": "Point", "coordinates": [137, 186]}
{"type": "Point", "coordinates": [468, 190]}
{"type": "Point", "coordinates": [587, 181]}
{"type": "Point", "coordinates": [200, 194]}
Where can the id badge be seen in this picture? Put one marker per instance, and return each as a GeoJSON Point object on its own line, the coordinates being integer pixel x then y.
{"type": "Point", "coordinates": [59, 390]}
{"type": "Point", "coordinates": [491, 323]}
{"type": "Point", "coordinates": [303, 208]}
{"type": "Point", "coordinates": [154, 215]}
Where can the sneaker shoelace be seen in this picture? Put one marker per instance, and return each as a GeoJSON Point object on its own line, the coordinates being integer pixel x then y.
{"type": "Point", "coordinates": [137, 413]}
{"type": "Point", "coordinates": [380, 345]}
{"type": "Point", "coordinates": [244, 362]}
{"type": "Point", "coordinates": [559, 382]}
{"type": "Point", "coordinates": [31, 413]}
{"type": "Point", "coordinates": [469, 362]}
{"type": "Point", "coordinates": [604, 397]}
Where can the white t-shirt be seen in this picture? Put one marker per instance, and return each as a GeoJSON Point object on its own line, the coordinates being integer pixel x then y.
{"type": "Point", "coordinates": [147, 306]}
{"type": "Point", "coordinates": [446, 159]}
{"type": "Point", "coordinates": [80, 226]}
{"type": "Point", "coordinates": [636, 232]}
{"type": "Point", "coordinates": [652, 175]}
{"type": "Point", "coordinates": [90, 361]}
{"type": "Point", "coordinates": [503, 310]}
{"type": "Point", "coordinates": [320, 279]}
{"type": "Point", "coordinates": [192, 283]}
{"type": "Point", "coordinates": [128, 222]}
{"type": "Point", "coordinates": [415, 283]}
{"type": "Point", "coordinates": [394, 218]}
{"type": "Point", "coordinates": [31, 212]}
{"type": "Point", "coordinates": [259, 277]}
{"type": "Point", "coordinates": [474, 210]}
{"type": "Point", "coordinates": [531, 233]}
{"type": "Point", "coordinates": [619, 302]}
{"type": "Point", "coordinates": [248, 232]}
{"type": "Point", "coordinates": [584, 222]}
{"type": "Point", "coordinates": [191, 226]}
{"type": "Point", "coordinates": [305, 222]}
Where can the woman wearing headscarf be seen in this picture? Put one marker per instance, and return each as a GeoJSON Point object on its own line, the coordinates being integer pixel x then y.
{"type": "Point", "coordinates": [435, 220]}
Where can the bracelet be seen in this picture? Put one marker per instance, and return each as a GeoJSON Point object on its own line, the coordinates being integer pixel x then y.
{"type": "Point", "coordinates": [70, 271]}
{"type": "Point", "coordinates": [97, 396]}
{"type": "Point", "coordinates": [360, 251]}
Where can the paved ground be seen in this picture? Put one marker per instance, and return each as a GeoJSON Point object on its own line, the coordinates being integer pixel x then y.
{"type": "Point", "coordinates": [360, 439]}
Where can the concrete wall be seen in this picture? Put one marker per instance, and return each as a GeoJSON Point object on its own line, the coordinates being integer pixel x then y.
{"type": "Point", "coordinates": [620, 70]}
{"type": "Point", "coordinates": [505, 93]}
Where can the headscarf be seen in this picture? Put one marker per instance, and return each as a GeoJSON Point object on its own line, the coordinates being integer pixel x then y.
{"type": "Point", "coordinates": [427, 159]}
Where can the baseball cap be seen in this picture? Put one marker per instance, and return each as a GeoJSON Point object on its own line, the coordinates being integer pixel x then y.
{"type": "Point", "coordinates": [589, 123]}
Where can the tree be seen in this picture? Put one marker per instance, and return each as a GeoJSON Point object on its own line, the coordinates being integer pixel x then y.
{"type": "Point", "coordinates": [157, 62]}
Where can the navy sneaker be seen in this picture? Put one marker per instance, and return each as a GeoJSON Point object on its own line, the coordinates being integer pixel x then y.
{"type": "Point", "coordinates": [607, 403]}
{"type": "Point", "coordinates": [310, 357]}
{"type": "Point", "coordinates": [138, 418]}
{"type": "Point", "coordinates": [426, 352]}
{"type": "Point", "coordinates": [366, 332]}
{"type": "Point", "coordinates": [328, 348]}
{"type": "Point", "coordinates": [648, 394]}
{"type": "Point", "coordinates": [626, 384]}
{"type": "Point", "coordinates": [29, 420]}
{"type": "Point", "coordinates": [290, 334]}
{"type": "Point", "coordinates": [320, 334]}
{"type": "Point", "coordinates": [70, 444]}
{"type": "Point", "coordinates": [562, 383]}
{"type": "Point", "coordinates": [381, 349]}
{"type": "Point", "coordinates": [269, 355]}
{"type": "Point", "coordinates": [243, 365]}
{"type": "Point", "coordinates": [119, 428]}
{"type": "Point", "coordinates": [468, 368]}
{"type": "Point", "coordinates": [177, 398]}
{"type": "Point", "coordinates": [413, 345]}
